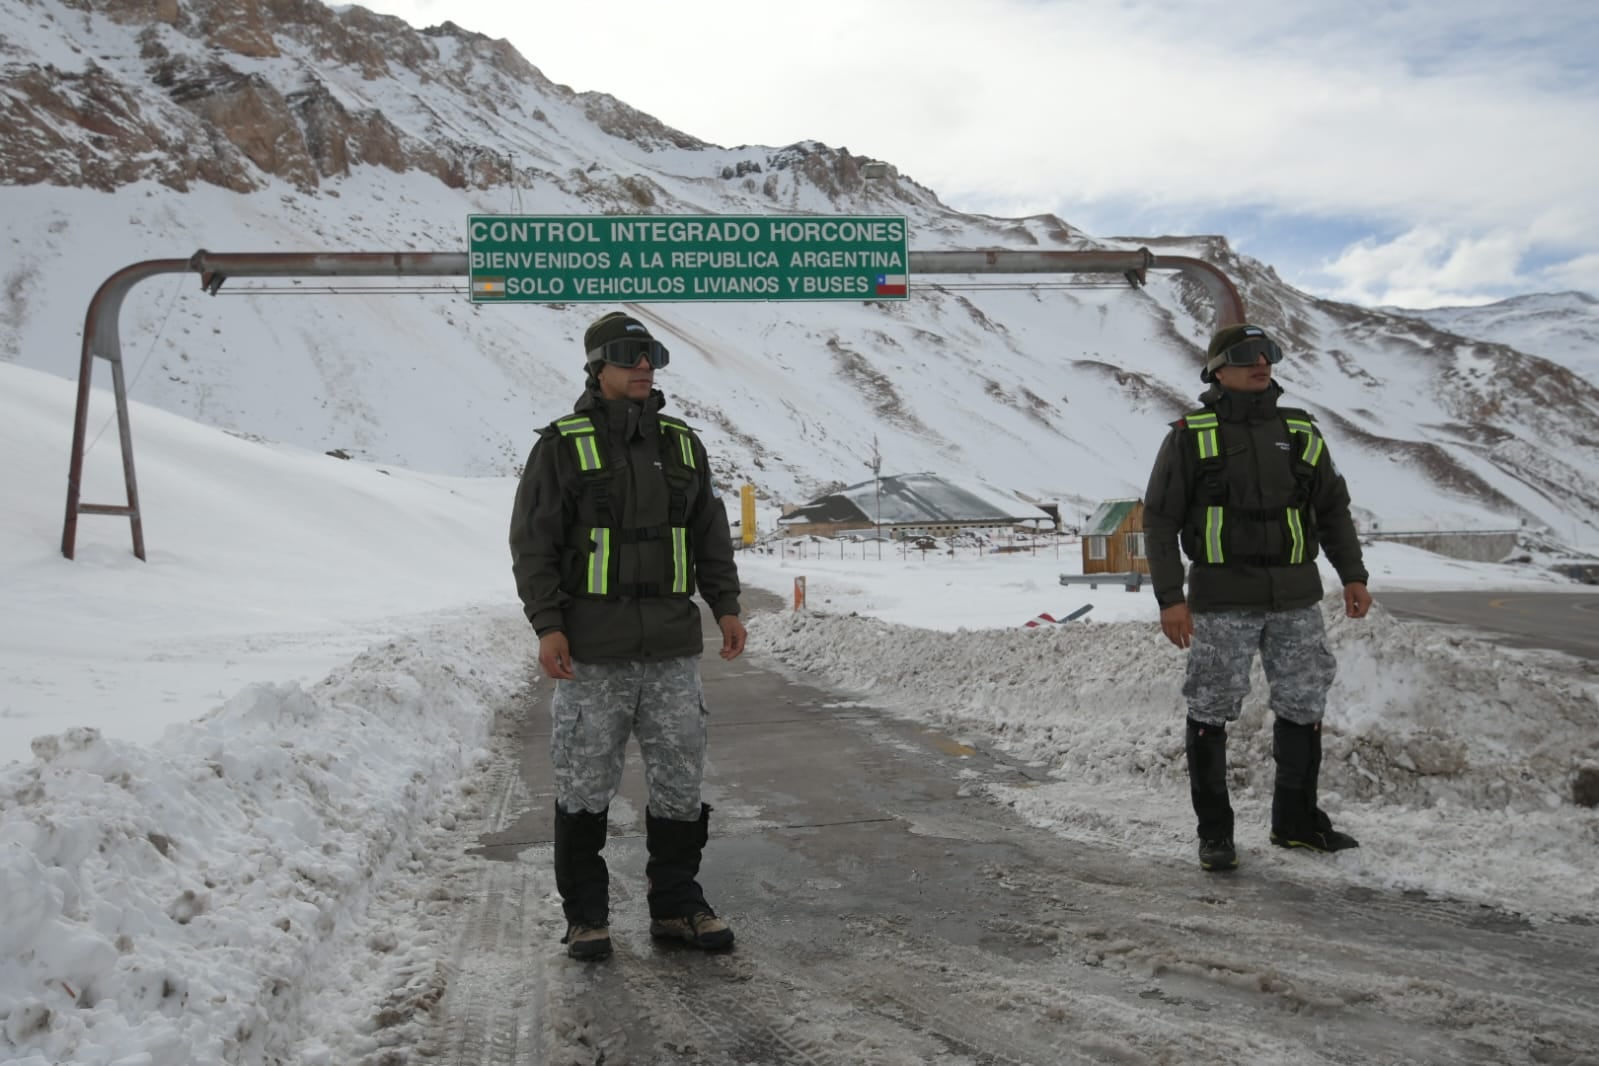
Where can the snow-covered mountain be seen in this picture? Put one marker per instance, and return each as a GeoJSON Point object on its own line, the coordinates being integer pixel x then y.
{"type": "Point", "coordinates": [139, 129]}
{"type": "Point", "coordinates": [1562, 327]}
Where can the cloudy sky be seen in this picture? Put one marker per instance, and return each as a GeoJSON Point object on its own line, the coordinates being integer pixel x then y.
{"type": "Point", "coordinates": [1391, 152]}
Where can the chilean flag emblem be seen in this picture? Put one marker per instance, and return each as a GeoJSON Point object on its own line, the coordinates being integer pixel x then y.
{"type": "Point", "coordinates": [891, 284]}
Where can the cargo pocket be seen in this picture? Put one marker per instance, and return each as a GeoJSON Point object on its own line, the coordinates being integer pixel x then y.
{"type": "Point", "coordinates": [566, 726]}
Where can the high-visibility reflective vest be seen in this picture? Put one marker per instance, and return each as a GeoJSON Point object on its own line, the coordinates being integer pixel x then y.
{"type": "Point", "coordinates": [1211, 532]}
{"type": "Point", "coordinates": [599, 541]}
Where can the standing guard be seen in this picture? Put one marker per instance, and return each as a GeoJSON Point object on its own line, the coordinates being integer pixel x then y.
{"type": "Point", "coordinates": [616, 525]}
{"type": "Point", "coordinates": [1250, 493]}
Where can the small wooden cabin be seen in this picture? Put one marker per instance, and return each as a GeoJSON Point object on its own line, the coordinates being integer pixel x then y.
{"type": "Point", "coordinates": [1113, 539]}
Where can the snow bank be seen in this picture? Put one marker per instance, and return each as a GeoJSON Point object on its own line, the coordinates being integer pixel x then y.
{"type": "Point", "coordinates": [1441, 751]}
{"type": "Point", "coordinates": [168, 902]}
{"type": "Point", "coordinates": [1414, 716]}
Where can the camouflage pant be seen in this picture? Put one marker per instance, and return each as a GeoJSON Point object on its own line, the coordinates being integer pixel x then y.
{"type": "Point", "coordinates": [661, 703]}
{"type": "Point", "coordinates": [1293, 652]}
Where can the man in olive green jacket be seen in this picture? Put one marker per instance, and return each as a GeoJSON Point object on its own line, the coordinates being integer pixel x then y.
{"type": "Point", "coordinates": [616, 524]}
{"type": "Point", "coordinates": [1248, 490]}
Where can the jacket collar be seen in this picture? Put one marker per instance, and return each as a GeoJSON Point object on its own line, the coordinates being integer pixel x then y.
{"type": "Point", "coordinates": [627, 416]}
{"type": "Point", "coordinates": [1233, 406]}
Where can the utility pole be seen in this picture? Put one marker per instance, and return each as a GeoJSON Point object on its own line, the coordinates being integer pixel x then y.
{"type": "Point", "coordinates": [877, 491]}
{"type": "Point", "coordinates": [516, 183]}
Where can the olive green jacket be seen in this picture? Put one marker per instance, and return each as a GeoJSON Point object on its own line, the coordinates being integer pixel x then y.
{"type": "Point", "coordinates": [1258, 477]}
{"type": "Point", "coordinates": [549, 542]}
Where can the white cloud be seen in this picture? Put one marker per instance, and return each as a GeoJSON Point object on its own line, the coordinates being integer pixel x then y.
{"type": "Point", "coordinates": [1429, 267]}
{"type": "Point", "coordinates": [1581, 273]}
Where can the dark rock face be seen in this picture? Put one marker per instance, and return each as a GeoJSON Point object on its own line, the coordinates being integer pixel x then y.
{"type": "Point", "coordinates": [199, 108]}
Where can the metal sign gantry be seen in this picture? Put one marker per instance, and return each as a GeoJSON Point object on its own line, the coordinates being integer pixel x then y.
{"type": "Point", "coordinates": [102, 338]}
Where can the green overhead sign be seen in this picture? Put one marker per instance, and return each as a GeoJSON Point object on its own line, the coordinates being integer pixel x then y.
{"type": "Point", "coordinates": [643, 258]}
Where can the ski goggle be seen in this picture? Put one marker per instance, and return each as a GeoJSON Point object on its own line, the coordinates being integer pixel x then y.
{"type": "Point", "coordinates": [1248, 352]}
{"type": "Point", "coordinates": [627, 351]}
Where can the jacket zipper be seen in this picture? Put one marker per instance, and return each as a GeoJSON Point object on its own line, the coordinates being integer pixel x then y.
{"type": "Point", "coordinates": [1260, 497]}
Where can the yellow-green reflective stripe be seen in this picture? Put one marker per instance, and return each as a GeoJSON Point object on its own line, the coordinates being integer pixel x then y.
{"type": "Point", "coordinates": [679, 559]}
{"type": "Point", "coordinates": [1313, 442]}
{"type": "Point", "coordinates": [599, 571]}
{"type": "Point", "coordinates": [1213, 553]}
{"type": "Point", "coordinates": [581, 432]}
{"type": "Point", "coordinates": [1204, 427]}
{"type": "Point", "coordinates": [683, 446]}
{"type": "Point", "coordinates": [1297, 555]}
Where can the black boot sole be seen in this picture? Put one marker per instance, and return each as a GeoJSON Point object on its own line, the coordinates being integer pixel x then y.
{"type": "Point", "coordinates": [588, 952]}
{"type": "Point", "coordinates": [722, 941]}
{"type": "Point", "coordinates": [1284, 842]}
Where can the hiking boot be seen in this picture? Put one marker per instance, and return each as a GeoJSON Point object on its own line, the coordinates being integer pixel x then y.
{"type": "Point", "coordinates": [583, 881]}
{"type": "Point", "coordinates": [703, 930]}
{"type": "Point", "coordinates": [1324, 840]}
{"type": "Point", "coordinates": [587, 942]}
{"type": "Point", "coordinates": [1321, 836]}
{"type": "Point", "coordinates": [1206, 746]}
{"type": "Point", "coordinates": [1217, 854]}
